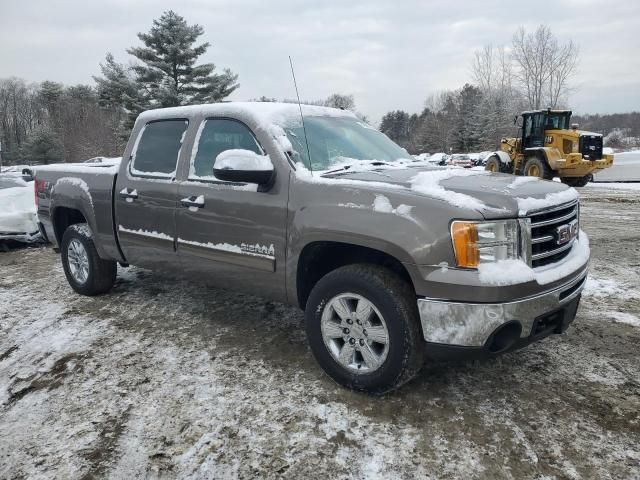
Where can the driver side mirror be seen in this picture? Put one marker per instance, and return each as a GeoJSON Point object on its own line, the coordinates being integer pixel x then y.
{"type": "Point", "coordinates": [244, 166]}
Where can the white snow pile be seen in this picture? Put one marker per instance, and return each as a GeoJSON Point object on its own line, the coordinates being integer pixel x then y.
{"type": "Point", "coordinates": [511, 272]}
{"type": "Point", "coordinates": [428, 183]}
{"type": "Point", "coordinates": [382, 204]}
{"type": "Point", "coordinates": [521, 181]}
{"type": "Point", "coordinates": [528, 204]}
{"type": "Point", "coordinates": [18, 209]}
{"type": "Point", "coordinates": [239, 159]}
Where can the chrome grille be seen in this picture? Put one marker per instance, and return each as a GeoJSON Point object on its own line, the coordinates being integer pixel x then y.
{"type": "Point", "coordinates": [544, 225]}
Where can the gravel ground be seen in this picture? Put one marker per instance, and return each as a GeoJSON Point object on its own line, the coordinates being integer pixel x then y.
{"type": "Point", "coordinates": [165, 379]}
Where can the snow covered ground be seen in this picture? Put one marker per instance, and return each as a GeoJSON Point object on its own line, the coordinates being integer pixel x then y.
{"type": "Point", "coordinates": [626, 168]}
{"type": "Point", "coordinates": [166, 379]}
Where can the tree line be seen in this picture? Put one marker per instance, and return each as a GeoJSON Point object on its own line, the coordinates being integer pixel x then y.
{"type": "Point", "coordinates": [532, 73]}
{"type": "Point", "coordinates": [51, 122]}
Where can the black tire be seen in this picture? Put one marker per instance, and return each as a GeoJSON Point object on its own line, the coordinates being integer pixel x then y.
{"type": "Point", "coordinates": [539, 166]}
{"type": "Point", "coordinates": [395, 300]}
{"type": "Point", "coordinates": [101, 273]}
{"type": "Point", "coordinates": [577, 181]}
{"type": "Point", "coordinates": [494, 164]}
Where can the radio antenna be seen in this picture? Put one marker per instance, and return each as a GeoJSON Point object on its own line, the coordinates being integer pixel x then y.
{"type": "Point", "coordinates": [304, 130]}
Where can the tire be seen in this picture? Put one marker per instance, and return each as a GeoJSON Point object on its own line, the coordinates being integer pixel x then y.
{"type": "Point", "coordinates": [537, 167]}
{"type": "Point", "coordinates": [393, 300]}
{"type": "Point", "coordinates": [100, 274]}
{"type": "Point", "coordinates": [577, 181]}
{"type": "Point", "coordinates": [495, 165]}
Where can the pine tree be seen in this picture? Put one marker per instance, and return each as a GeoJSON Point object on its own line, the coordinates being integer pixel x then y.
{"type": "Point", "coordinates": [169, 74]}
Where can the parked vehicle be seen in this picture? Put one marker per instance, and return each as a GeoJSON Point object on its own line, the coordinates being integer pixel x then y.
{"type": "Point", "coordinates": [460, 160]}
{"type": "Point", "coordinates": [547, 147]}
{"type": "Point", "coordinates": [392, 261]}
{"type": "Point", "coordinates": [18, 220]}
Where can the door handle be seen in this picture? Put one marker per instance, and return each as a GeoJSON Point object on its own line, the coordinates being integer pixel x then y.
{"type": "Point", "coordinates": [129, 194]}
{"type": "Point", "coordinates": [193, 201]}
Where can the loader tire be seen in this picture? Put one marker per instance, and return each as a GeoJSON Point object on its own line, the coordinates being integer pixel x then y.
{"type": "Point", "coordinates": [494, 164]}
{"type": "Point", "coordinates": [537, 167]}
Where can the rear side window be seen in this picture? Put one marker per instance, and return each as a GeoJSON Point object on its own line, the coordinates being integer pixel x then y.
{"type": "Point", "coordinates": [158, 147]}
{"type": "Point", "coordinates": [214, 137]}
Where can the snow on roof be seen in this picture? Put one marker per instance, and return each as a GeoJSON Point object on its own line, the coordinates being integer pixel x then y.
{"type": "Point", "coordinates": [261, 112]}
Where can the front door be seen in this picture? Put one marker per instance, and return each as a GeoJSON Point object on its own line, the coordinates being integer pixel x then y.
{"type": "Point", "coordinates": [533, 130]}
{"type": "Point", "coordinates": [231, 235]}
{"type": "Point", "coordinates": [146, 195]}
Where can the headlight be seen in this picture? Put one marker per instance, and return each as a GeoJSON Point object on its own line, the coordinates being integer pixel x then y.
{"type": "Point", "coordinates": [483, 242]}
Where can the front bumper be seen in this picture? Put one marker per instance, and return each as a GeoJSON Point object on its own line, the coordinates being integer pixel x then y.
{"type": "Point", "coordinates": [476, 324]}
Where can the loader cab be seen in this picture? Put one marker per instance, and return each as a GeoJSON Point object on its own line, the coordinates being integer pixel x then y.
{"type": "Point", "coordinates": [536, 122]}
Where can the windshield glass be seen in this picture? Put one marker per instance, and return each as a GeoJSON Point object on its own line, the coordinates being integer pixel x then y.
{"type": "Point", "coordinates": [338, 141]}
{"type": "Point", "coordinates": [557, 121]}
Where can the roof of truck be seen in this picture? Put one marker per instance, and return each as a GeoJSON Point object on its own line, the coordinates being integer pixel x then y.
{"type": "Point", "coordinates": [262, 112]}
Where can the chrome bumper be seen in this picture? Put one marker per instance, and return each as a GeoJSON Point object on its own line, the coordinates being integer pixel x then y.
{"type": "Point", "coordinates": [471, 324]}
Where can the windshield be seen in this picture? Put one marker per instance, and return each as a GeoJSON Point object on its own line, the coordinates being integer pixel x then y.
{"type": "Point", "coordinates": [557, 121]}
{"type": "Point", "coordinates": [338, 141]}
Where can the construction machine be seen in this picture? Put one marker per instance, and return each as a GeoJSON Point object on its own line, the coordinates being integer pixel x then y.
{"type": "Point", "coordinates": [547, 146]}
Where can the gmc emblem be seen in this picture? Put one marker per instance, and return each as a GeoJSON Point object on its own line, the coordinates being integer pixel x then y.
{"type": "Point", "coordinates": [566, 233]}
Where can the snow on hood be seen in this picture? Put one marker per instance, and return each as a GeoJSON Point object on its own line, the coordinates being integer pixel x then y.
{"type": "Point", "coordinates": [492, 194]}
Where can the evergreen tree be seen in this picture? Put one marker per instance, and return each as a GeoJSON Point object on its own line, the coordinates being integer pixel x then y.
{"type": "Point", "coordinates": [169, 74]}
{"type": "Point", "coordinates": [42, 147]}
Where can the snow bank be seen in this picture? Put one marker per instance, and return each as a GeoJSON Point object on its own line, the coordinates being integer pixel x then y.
{"type": "Point", "coordinates": [428, 183]}
{"type": "Point", "coordinates": [511, 272]}
{"type": "Point", "coordinates": [18, 210]}
{"type": "Point", "coordinates": [528, 204]}
{"type": "Point", "coordinates": [239, 159]}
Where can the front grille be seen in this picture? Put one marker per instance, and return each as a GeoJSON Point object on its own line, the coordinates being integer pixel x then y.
{"type": "Point", "coordinates": [591, 147]}
{"type": "Point", "coordinates": [545, 248]}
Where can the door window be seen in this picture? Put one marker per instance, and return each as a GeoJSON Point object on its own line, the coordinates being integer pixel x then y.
{"type": "Point", "coordinates": [156, 153]}
{"type": "Point", "coordinates": [214, 137]}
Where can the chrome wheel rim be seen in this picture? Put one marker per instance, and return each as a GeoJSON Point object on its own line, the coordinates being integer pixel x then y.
{"type": "Point", "coordinates": [78, 261]}
{"type": "Point", "coordinates": [355, 333]}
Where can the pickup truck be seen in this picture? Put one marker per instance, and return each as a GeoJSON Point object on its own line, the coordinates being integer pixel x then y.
{"type": "Point", "coordinates": [393, 260]}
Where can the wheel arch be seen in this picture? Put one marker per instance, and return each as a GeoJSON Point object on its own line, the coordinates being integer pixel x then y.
{"type": "Point", "coordinates": [318, 258]}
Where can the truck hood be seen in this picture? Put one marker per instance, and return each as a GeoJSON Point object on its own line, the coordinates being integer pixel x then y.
{"type": "Point", "coordinates": [494, 195]}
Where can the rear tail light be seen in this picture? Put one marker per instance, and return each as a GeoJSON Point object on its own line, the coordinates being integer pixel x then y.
{"type": "Point", "coordinates": [38, 186]}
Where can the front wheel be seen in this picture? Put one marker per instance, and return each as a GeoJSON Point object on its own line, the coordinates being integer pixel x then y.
{"type": "Point", "coordinates": [494, 164]}
{"type": "Point", "coordinates": [86, 272]}
{"type": "Point", "coordinates": [537, 167]}
{"type": "Point", "coordinates": [362, 326]}
{"type": "Point", "coordinates": [577, 181]}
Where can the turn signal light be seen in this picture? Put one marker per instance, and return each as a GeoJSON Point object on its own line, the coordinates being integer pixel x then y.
{"type": "Point", "coordinates": [465, 244]}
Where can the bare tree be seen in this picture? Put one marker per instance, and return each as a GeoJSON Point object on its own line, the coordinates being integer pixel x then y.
{"type": "Point", "coordinates": [543, 65]}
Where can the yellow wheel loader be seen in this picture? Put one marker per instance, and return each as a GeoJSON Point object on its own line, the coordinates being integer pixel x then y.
{"type": "Point", "coordinates": [548, 146]}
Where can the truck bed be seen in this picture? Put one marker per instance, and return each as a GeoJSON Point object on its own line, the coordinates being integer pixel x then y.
{"type": "Point", "coordinates": [86, 187]}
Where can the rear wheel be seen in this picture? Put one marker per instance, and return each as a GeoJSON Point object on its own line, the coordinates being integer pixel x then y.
{"type": "Point", "coordinates": [363, 329]}
{"type": "Point", "coordinates": [577, 181]}
{"type": "Point", "coordinates": [86, 272]}
{"type": "Point", "coordinates": [494, 164]}
{"type": "Point", "coordinates": [537, 167]}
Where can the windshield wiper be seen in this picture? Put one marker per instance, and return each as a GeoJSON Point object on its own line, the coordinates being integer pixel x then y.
{"type": "Point", "coordinates": [375, 163]}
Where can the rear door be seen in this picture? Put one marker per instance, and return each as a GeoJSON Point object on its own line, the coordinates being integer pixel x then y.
{"type": "Point", "coordinates": [146, 195]}
{"type": "Point", "coordinates": [230, 234]}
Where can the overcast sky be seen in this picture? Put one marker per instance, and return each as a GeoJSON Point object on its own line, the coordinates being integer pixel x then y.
{"type": "Point", "coordinates": [388, 54]}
